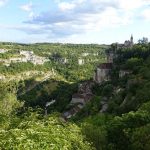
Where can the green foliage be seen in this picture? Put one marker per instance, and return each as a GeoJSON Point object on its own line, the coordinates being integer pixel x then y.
{"type": "Point", "coordinates": [141, 138]}
{"type": "Point", "coordinates": [121, 130]}
{"type": "Point", "coordinates": [125, 126]}
{"type": "Point", "coordinates": [8, 99]}
{"type": "Point", "coordinates": [90, 109]}
{"type": "Point", "coordinates": [128, 100]}
{"type": "Point", "coordinates": [45, 92]}
{"type": "Point", "coordinates": [133, 63]}
{"type": "Point", "coordinates": [94, 127]}
{"type": "Point", "coordinates": [95, 134]}
{"type": "Point", "coordinates": [107, 90]}
{"type": "Point", "coordinates": [44, 134]}
{"type": "Point", "coordinates": [113, 133]}
{"type": "Point", "coordinates": [56, 53]}
{"type": "Point", "coordinates": [8, 104]}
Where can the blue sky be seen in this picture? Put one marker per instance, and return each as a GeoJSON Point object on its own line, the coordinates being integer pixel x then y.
{"type": "Point", "coordinates": [74, 21]}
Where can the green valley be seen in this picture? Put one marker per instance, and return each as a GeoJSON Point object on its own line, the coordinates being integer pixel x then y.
{"type": "Point", "coordinates": [100, 94]}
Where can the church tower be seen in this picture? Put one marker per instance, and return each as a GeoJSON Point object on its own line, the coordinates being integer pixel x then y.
{"type": "Point", "coordinates": [131, 40]}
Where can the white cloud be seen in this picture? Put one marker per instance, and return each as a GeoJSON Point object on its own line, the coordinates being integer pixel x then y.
{"type": "Point", "coordinates": [130, 4]}
{"type": "Point", "coordinates": [82, 16]}
{"type": "Point", "coordinates": [27, 7]}
{"type": "Point", "coordinates": [146, 14]}
{"type": "Point", "coordinates": [3, 2]}
{"type": "Point", "coordinates": [66, 6]}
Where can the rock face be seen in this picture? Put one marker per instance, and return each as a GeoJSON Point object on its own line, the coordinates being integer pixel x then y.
{"type": "Point", "coordinates": [29, 56]}
{"type": "Point", "coordinates": [104, 108]}
{"type": "Point", "coordinates": [25, 56]}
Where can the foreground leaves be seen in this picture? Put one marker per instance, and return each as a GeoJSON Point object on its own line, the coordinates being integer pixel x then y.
{"type": "Point", "coordinates": [43, 134]}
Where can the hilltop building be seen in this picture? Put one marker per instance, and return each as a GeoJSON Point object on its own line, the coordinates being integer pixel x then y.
{"type": "Point", "coordinates": [84, 93]}
{"type": "Point", "coordinates": [129, 43]}
{"type": "Point", "coordinates": [102, 72]}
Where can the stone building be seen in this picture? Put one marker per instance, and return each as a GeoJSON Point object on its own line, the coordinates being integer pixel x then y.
{"type": "Point", "coordinates": [102, 72]}
{"type": "Point", "coordinates": [129, 43]}
{"type": "Point", "coordinates": [79, 99]}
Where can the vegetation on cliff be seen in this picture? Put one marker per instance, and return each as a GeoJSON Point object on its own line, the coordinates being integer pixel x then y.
{"type": "Point", "coordinates": [124, 126]}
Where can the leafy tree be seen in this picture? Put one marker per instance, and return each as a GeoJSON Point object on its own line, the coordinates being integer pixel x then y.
{"type": "Point", "coordinates": [47, 133]}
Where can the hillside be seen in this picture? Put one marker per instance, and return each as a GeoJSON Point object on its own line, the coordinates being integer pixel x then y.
{"type": "Point", "coordinates": [115, 117]}
{"type": "Point", "coordinates": [68, 61]}
{"type": "Point", "coordinates": [34, 66]}
{"type": "Point", "coordinates": [125, 120]}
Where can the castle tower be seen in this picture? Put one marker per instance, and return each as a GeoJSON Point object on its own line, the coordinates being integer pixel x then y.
{"type": "Point", "coordinates": [131, 40]}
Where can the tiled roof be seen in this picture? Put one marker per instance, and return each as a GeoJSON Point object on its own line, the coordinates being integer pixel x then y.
{"type": "Point", "coordinates": [78, 96]}
{"type": "Point", "coordinates": [83, 96]}
{"type": "Point", "coordinates": [105, 66]}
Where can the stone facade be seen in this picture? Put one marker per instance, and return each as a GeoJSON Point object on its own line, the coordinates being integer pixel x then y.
{"type": "Point", "coordinates": [78, 98]}
{"type": "Point", "coordinates": [102, 72]}
{"type": "Point", "coordinates": [84, 93]}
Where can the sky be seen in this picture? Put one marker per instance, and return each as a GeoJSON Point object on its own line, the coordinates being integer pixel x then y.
{"type": "Point", "coordinates": [74, 21]}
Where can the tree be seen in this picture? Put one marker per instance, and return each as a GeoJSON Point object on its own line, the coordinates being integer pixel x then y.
{"type": "Point", "coordinates": [44, 134]}
{"type": "Point", "coordinates": [144, 40]}
{"type": "Point", "coordinates": [8, 104]}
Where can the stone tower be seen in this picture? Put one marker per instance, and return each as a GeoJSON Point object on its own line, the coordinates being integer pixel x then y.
{"type": "Point", "coordinates": [131, 40]}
